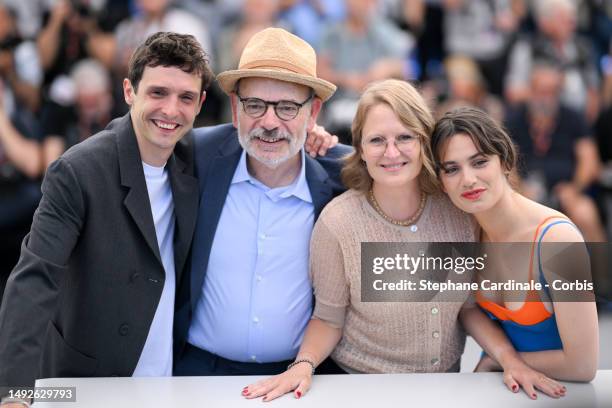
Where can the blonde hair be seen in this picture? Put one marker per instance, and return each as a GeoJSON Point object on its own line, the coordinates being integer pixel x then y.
{"type": "Point", "coordinates": [412, 111]}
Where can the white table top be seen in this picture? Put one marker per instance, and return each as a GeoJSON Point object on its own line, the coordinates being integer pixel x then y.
{"type": "Point", "coordinates": [354, 391]}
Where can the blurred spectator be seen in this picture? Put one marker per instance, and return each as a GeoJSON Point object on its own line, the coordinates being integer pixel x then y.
{"type": "Point", "coordinates": [19, 67]}
{"type": "Point", "coordinates": [561, 161]}
{"type": "Point", "coordinates": [20, 169]}
{"type": "Point", "coordinates": [255, 16]}
{"type": "Point", "coordinates": [424, 20]}
{"type": "Point", "coordinates": [89, 110]}
{"type": "Point", "coordinates": [20, 77]}
{"type": "Point", "coordinates": [594, 20]}
{"type": "Point", "coordinates": [308, 18]}
{"type": "Point", "coordinates": [153, 16]}
{"type": "Point", "coordinates": [407, 14]}
{"type": "Point", "coordinates": [556, 41]}
{"type": "Point", "coordinates": [70, 33]}
{"type": "Point", "coordinates": [466, 86]}
{"type": "Point", "coordinates": [484, 31]}
{"type": "Point", "coordinates": [606, 68]}
{"type": "Point", "coordinates": [28, 15]}
{"type": "Point", "coordinates": [603, 134]}
{"type": "Point", "coordinates": [217, 14]}
{"type": "Point", "coordinates": [365, 47]}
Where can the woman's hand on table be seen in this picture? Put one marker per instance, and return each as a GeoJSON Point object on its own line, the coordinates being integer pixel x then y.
{"type": "Point", "coordinates": [297, 379]}
{"type": "Point", "coordinates": [520, 375]}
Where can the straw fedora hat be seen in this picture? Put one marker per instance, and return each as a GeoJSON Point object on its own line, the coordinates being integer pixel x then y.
{"type": "Point", "coordinates": [277, 54]}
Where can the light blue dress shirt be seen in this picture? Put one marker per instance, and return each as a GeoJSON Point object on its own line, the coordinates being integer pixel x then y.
{"type": "Point", "coordinates": [256, 299]}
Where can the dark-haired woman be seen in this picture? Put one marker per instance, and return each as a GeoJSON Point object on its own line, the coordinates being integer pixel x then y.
{"type": "Point", "coordinates": [476, 160]}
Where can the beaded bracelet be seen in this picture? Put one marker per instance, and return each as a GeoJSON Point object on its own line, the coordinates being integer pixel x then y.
{"type": "Point", "coordinates": [302, 360]}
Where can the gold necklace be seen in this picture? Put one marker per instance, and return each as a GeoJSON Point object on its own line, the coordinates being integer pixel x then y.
{"type": "Point", "coordinates": [402, 223]}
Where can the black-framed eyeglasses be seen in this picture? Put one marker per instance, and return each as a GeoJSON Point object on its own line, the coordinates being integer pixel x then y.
{"type": "Point", "coordinates": [285, 110]}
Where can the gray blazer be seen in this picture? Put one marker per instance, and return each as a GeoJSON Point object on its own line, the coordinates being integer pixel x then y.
{"type": "Point", "coordinates": [80, 301]}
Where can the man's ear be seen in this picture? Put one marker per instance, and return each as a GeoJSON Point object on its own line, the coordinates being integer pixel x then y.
{"type": "Point", "coordinates": [128, 92]}
{"type": "Point", "coordinates": [234, 104]}
{"type": "Point", "coordinates": [202, 99]}
{"type": "Point", "coordinates": [315, 108]}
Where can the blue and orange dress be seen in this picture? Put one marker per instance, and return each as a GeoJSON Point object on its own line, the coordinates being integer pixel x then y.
{"type": "Point", "coordinates": [531, 327]}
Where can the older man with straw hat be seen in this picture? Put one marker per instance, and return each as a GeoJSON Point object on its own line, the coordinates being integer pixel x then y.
{"type": "Point", "coordinates": [245, 307]}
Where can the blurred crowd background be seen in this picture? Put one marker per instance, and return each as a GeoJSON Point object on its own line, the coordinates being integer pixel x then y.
{"type": "Point", "coordinates": [543, 67]}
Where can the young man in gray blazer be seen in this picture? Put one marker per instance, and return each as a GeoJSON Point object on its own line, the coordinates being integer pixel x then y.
{"type": "Point", "coordinates": [93, 292]}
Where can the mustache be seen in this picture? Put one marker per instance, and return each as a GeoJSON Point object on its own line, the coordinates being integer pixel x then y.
{"type": "Point", "coordinates": [268, 134]}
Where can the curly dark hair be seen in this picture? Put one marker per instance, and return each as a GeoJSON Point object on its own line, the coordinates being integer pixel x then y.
{"type": "Point", "coordinates": [170, 50]}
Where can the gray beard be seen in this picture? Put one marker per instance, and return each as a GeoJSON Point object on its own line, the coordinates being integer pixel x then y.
{"type": "Point", "coordinates": [295, 144]}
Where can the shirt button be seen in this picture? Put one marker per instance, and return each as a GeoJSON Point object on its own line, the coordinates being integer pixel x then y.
{"type": "Point", "coordinates": [434, 310]}
{"type": "Point", "coordinates": [259, 278]}
{"type": "Point", "coordinates": [414, 228]}
{"type": "Point", "coordinates": [253, 357]}
{"type": "Point", "coordinates": [256, 319]}
{"type": "Point", "coordinates": [435, 361]}
{"type": "Point", "coordinates": [435, 334]}
{"type": "Point", "coordinates": [262, 236]}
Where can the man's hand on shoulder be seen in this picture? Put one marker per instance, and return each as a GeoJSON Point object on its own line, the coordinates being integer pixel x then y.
{"type": "Point", "coordinates": [319, 140]}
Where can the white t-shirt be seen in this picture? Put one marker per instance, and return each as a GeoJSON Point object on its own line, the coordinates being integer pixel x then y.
{"type": "Point", "coordinates": [156, 357]}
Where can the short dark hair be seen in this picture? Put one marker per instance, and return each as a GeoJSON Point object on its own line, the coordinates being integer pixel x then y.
{"type": "Point", "coordinates": [170, 50]}
{"type": "Point", "coordinates": [489, 137]}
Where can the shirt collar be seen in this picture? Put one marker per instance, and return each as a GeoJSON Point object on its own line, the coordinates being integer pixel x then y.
{"type": "Point", "coordinates": [299, 188]}
{"type": "Point", "coordinates": [242, 173]}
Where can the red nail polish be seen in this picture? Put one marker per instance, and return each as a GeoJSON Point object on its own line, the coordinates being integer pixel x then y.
{"type": "Point", "coordinates": [534, 396]}
{"type": "Point", "coordinates": [514, 388]}
{"type": "Point", "coordinates": [298, 394]}
{"type": "Point", "coordinates": [245, 392]}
